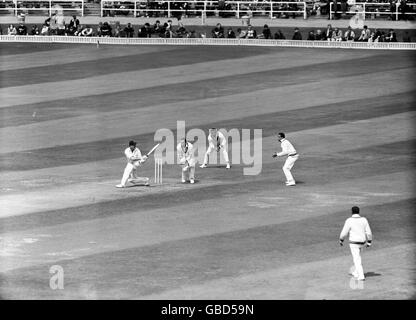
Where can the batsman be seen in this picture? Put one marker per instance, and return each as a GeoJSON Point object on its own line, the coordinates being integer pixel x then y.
{"type": "Point", "coordinates": [186, 159]}
{"type": "Point", "coordinates": [134, 160]}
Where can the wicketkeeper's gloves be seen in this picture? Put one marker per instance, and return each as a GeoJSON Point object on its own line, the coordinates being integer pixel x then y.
{"type": "Point", "coordinates": [368, 244]}
{"type": "Point", "coordinates": [341, 242]}
{"type": "Point", "coordinates": [274, 155]}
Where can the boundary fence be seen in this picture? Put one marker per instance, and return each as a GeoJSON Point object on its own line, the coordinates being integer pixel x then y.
{"type": "Point", "coordinates": [212, 42]}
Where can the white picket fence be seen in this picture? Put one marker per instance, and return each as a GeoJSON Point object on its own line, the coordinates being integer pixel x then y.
{"type": "Point", "coordinates": [211, 41]}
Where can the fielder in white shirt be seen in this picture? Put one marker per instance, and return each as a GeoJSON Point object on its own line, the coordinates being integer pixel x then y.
{"type": "Point", "coordinates": [359, 236]}
{"type": "Point", "coordinates": [134, 160]}
{"type": "Point", "coordinates": [185, 151]}
{"type": "Point", "coordinates": [216, 141]}
{"type": "Point", "coordinates": [289, 151]}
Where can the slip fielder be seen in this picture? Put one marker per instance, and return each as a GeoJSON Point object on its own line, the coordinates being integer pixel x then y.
{"type": "Point", "coordinates": [289, 151]}
{"type": "Point", "coordinates": [134, 160]}
{"type": "Point", "coordinates": [360, 236]}
{"type": "Point", "coordinates": [185, 151]}
{"type": "Point", "coordinates": [216, 141]}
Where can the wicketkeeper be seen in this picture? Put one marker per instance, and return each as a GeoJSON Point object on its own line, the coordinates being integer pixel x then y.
{"type": "Point", "coordinates": [185, 151]}
{"type": "Point", "coordinates": [134, 160]}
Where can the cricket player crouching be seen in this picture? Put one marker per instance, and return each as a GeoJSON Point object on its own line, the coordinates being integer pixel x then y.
{"type": "Point", "coordinates": [185, 151]}
{"type": "Point", "coordinates": [134, 160]}
{"type": "Point", "coordinates": [218, 142]}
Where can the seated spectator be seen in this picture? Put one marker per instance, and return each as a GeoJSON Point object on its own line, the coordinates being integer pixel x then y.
{"type": "Point", "coordinates": [74, 22]}
{"type": "Point", "coordinates": [158, 29]}
{"type": "Point", "coordinates": [34, 31]}
{"type": "Point", "coordinates": [106, 30]}
{"type": "Point", "coordinates": [297, 35]}
{"type": "Point", "coordinates": [117, 33]}
{"type": "Point", "coordinates": [69, 30]}
{"type": "Point", "coordinates": [230, 33]}
{"type": "Point", "coordinates": [382, 37]}
{"type": "Point", "coordinates": [391, 36]}
{"type": "Point", "coordinates": [98, 31]}
{"type": "Point", "coordinates": [406, 37]}
{"type": "Point", "coordinates": [328, 33]}
{"type": "Point", "coordinates": [87, 32]}
{"type": "Point", "coordinates": [21, 30]}
{"type": "Point", "coordinates": [181, 31]}
{"type": "Point", "coordinates": [336, 35]}
{"type": "Point", "coordinates": [365, 34]}
{"type": "Point", "coordinates": [45, 30]}
{"type": "Point", "coordinates": [319, 36]}
{"type": "Point", "coordinates": [145, 31]}
{"type": "Point", "coordinates": [168, 29]}
{"type": "Point", "coordinates": [377, 34]}
{"type": "Point", "coordinates": [267, 34]}
{"type": "Point", "coordinates": [191, 34]}
{"type": "Point", "coordinates": [251, 33]}
{"type": "Point", "coordinates": [373, 37]}
{"type": "Point", "coordinates": [218, 31]}
{"type": "Point", "coordinates": [129, 30]}
{"type": "Point", "coordinates": [311, 36]}
{"type": "Point", "coordinates": [349, 34]}
{"type": "Point", "coordinates": [78, 30]}
{"type": "Point", "coordinates": [279, 35]}
{"type": "Point", "coordinates": [241, 34]}
{"type": "Point", "coordinates": [11, 30]}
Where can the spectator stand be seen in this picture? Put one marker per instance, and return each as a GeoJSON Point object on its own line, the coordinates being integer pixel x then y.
{"type": "Point", "coordinates": [203, 9]}
{"type": "Point", "coordinates": [399, 10]}
{"type": "Point", "coordinates": [42, 7]}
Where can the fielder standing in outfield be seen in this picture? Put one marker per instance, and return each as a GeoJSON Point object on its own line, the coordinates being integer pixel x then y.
{"type": "Point", "coordinates": [134, 160]}
{"type": "Point", "coordinates": [289, 151]}
{"type": "Point", "coordinates": [216, 141]}
{"type": "Point", "coordinates": [359, 235]}
{"type": "Point", "coordinates": [185, 151]}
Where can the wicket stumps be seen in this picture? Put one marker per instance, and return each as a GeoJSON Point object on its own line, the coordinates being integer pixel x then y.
{"type": "Point", "coordinates": [158, 171]}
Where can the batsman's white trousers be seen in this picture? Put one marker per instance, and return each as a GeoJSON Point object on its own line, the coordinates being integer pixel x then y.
{"type": "Point", "coordinates": [289, 163]}
{"type": "Point", "coordinates": [130, 169]}
{"type": "Point", "coordinates": [356, 257]}
{"type": "Point", "coordinates": [211, 148]}
{"type": "Point", "coordinates": [190, 172]}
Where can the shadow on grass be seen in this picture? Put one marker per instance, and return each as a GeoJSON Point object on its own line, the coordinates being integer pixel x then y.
{"type": "Point", "coordinates": [372, 274]}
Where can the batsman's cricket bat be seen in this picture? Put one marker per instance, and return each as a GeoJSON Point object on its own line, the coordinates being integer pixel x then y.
{"type": "Point", "coordinates": [153, 149]}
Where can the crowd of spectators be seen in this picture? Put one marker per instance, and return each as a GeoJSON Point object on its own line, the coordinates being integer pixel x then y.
{"type": "Point", "coordinates": [340, 8]}
{"type": "Point", "coordinates": [56, 25]}
{"type": "Point", "coordinates": [168, 30]}
{"type": "Point", "coordinates": [330, 34]}
{"type": "Point", "coordinates": [153, 8]}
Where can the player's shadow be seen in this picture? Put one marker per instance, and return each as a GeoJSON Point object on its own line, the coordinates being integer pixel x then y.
{"type": "Point", "coordinates": [372, 274]}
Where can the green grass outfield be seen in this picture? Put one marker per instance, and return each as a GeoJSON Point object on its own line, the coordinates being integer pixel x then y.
{"type": "Point", "coordinates": [68, 111]}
